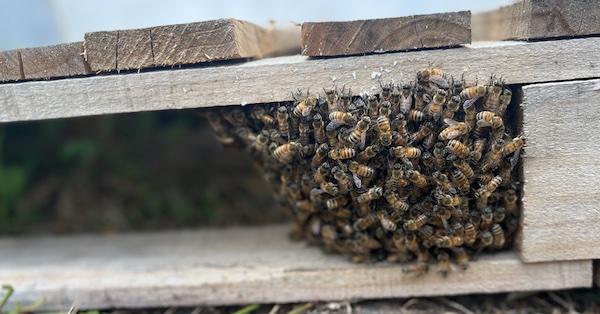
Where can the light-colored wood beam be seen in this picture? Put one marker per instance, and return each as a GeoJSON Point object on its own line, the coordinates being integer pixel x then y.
{"type": "Point", "coordinates": [273, 80]}
{"type": "Point", "coordinates": [561, 202]}
{"type": "Point", "coordinates": [237, 266]}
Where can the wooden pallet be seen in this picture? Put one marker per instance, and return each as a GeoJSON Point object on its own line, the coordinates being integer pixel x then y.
{"type": "Point", "coordinates": [557, 119]}
{"type": "Point", "coordinates": [238, 266]}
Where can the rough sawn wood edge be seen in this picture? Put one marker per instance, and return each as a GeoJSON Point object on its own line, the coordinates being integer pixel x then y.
{"type": "Point", "coordinates": [238, 266]}
{"type": "Point", "coordinates": [274, 79]}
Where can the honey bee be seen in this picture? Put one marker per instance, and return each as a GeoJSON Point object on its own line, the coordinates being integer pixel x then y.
{"type": "Point", "coordinates": [406, 98]}
{"type": "Point", "coordinates": [493, 98]}
{"type": "Point", "coordinates": [282, 121]}
{"type": "Point", "coordinates": [303, 130]}
{"type": "Point", "coordinates": [461, 256]}
{"type": "Point", "coordinates": [262, 139]}
{"type": "Point", "coordinates": [386, 221]}
{"type": "Point", "coordinates": [385, 136]}
{"type": "Point", "coordinates": [465, 168]}
{"type": "Point", "coordinates": [434, 109]}
{"type": "Point", "coordinates": [454, 130]}
{"type": "Point", "coordinates": [434, 75]}
{"type": "Point", "coordinates": [339, 118]}
{"type": "Point", "coordinates": [259, 113]}
{"type": "Point", "coordinates": [499, 238]}
{"type": "Point", "coordinates": [363, 223]}
{"type": "Point", "coordinates": [365, 172]}
{"type": "Point", "coordinates": [505, 99]}
{"type": "Point", "coordinates": [344, 181]}
{"type": "Point", "coordinates": [398, 176]}
{"type": "Point", "coordinates": [499, 214]}
{"type": "Point", "coordinates": [332, 99]}
{"type": "Point", "coordinates": [371, 195]}
{"type": "Point", "coordinates": [478, 148]}
{"type": "Point", "coordinates": [471, 116]}
{"type": "Point", "coordinates": [516, 144]}
{"type": "Point", "coordinates": [464, 187]}
{"type": "Point", "coordinates": [494, 157]}
{"type": "Point", "coordinates": [421, 98]}
{"type": "Point", "coordinates": [342, 153]}
{"type": "Point", "coordinates": [336, 202]}
{"type": "Point", "coordinates": [470, 234]}
{"type": "Point", "coordinates": [510, 201]}
{"type": "Point", "coordinates": [491, 186]}
{"type": "Point", "coordinates": [487, 238]}
{"type": "Point", "coordinates": [417, 179]}
{"type": "Point", "coordinates": [420, 221]}
{"type": "Point", "coordinates": [452, 107]}
{"type": "Point", "coordinates": [415, 115]}
{"type": "Point", "coordinates": [439, 154]}
{"type": "Point", "coordinates": [322, 173]}
{"type": "Point", "coordinates": [303, 108]}
{"type": "Point", "coordinates": [488, 118]}
{"type": "Point", "coordinates": [441, 179]}
{"type": "Point", "coordinates": [359, 132]}
{"type": "Point", "coordinates": [481, 199]}
{"type": "Point", "coordinates": [420, 135]}
{"type": "Point", "coordinates": [405, 152]}
{"type": "Point", "coordinates": [471, 94]}
{"type": "Point", "coordinates": [318, 129]}
{"type": "Point", "coordinates": [330, 188]}
{"type": "Point", "coordinates": [395, 201]}
{"type": "Point", "coordinates": [458, 148]}
{"type": "Point", "coordinates": [320, 156]}
{"type": "Point", "coordinates": [286, 152]}
{"type": "Point", "coordinates": [332, 138]}
{"type": "Point", "coordinates": [487, 217]}
{"type": "Point", "coordinates": [369, 152]}
{"type": "Point", "coordinates": [417, 269]}
{"type": "Point", "coordinates": [443, 265]}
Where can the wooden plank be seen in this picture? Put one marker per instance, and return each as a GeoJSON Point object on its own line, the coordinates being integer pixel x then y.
{"type": "Point", "coordinates": [169, 45]}
{"type": "Point", "coordinates": [237, 266]}
{"type": "Point", "coordinates": [561, 203]}
{"type": "Point", "coordinates": [55, 61]}
{"type": "Point", "coordinates": [272, 80]}
{"type": "Point", "coordinates": [10, 66]}
{"type": "Point", "coordinates": [538, 19]}
{"type": "Point", "coordinates": [390, 34]}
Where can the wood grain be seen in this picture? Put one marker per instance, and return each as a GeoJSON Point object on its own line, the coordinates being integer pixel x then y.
{"type": "Point", "coordinates": [538, 19]}
{"type": "Point", "coordinates": [391, 34]}
{"type": "Point", "coordinates": [272, 80]}
{"type": "Point", "coordinates": [238, 266]}
{"type": "Point", "coordinates": [171, 45]}
{"type": "Point", "coordinates": [561, 211]}
{"type": "Point", "coordinates": [55, 61]}
{"type": "Point", "coordinates": [10, 66]}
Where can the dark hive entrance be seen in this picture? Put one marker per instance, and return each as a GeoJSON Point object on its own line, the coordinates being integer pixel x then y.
{"type": "Point", "coordinates": [419, 172]}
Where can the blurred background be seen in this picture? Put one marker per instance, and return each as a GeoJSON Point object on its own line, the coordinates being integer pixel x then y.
{"type": "Point", "coordinates": [152, 170]}
{"type": "Point", "coordinates": [28, 23]}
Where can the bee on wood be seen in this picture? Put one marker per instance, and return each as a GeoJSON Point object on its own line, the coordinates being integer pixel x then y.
{"type": "Point", "coordinates": [471, 94]}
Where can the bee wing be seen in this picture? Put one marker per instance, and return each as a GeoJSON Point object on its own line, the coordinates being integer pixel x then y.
{"type": "Point", "coordinates": [453, 134]}
{"type": "Point", "coordinates": [436, 116]}
{"type": "Point", "coordinates": [439, 81]}
{"type": "Point", "coordinates": [408, 163]}
{"type": "Point", "coordinates": [449, 121]}
{"type": "Point", "coordinates": [483, 123]}
{"type": "Point", "coordinates": [515, 158]}
{"type": "Point", "coordinates": [334, 124]}
{"type": "Point", "coordinates": [357, 180]}
{"type": "Point", "coordinates": [306, 112]}
{"type": "Point", "coordinates": [316, 191]}
{"type": "Point", "coordinates": [363, 140]}
{"type": "Point", "coordinates": [469, 102]}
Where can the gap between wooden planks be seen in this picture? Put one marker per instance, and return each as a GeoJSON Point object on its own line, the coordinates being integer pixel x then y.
{"type": "Point", "coordinates": [274, 80]}
{"type": "Point", "coordinates": [238, 266]}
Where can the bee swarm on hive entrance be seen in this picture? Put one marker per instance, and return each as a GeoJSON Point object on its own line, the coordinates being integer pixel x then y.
{"type": "Point", "coordinates": [421, 172]}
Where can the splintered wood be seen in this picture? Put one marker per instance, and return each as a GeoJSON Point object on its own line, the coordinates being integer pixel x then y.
{"type": "Point", "coordinates": [223, 39]}
{"type": "Point", "coordinates": [237, 266]}
{"type": "Point", "coordinates": [560, 219]}
{"type": "Point", "coordinates": [538, 19]}
{"type": "Point", "coordinates": [382, 35]}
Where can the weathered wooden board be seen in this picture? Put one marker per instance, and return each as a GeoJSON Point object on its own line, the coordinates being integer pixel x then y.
{"type": "Point", "coordinates": [538, 19]}
{"type": "Point", "coordinates": [561, 203]}
{"type": "Point", "coordinates": [10, 66]}
{"type": "Point", "coordinates": [56, 61]}
{"type": "Point", "coordinates": [273, 80]}
{"type": "Point", "coordinates": [169, 45]}
{"type": "Point", "coordinates": [237, 266]}
{"type": "Point", "coordinates": [390, 34]}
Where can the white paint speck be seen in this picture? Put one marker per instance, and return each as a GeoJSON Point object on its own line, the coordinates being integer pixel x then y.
{"type": "Point", "coordinates": [244, 103]}
{"type": "Point", "coordinates": [365, 66]}
{"type": "Point", "coordinates": [375, 75]}
{"type": "Point", "coordinates": [387, 70]}
{"type": "Point", "coordinates": [334, 78]}
{"type": "Point", "coordinates": [380, 50]}
{"type": "Point", "coordinates": [354, 74]}
{"type": "Point", "coordinates": [395, 63]}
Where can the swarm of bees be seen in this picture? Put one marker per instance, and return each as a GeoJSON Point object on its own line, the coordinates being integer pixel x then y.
{"type": "Point", "coordinates": [421, 172]}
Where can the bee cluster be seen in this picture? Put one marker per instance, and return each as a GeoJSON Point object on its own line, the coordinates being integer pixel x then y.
{"type": "Point", "coordinates": [418, 170]}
